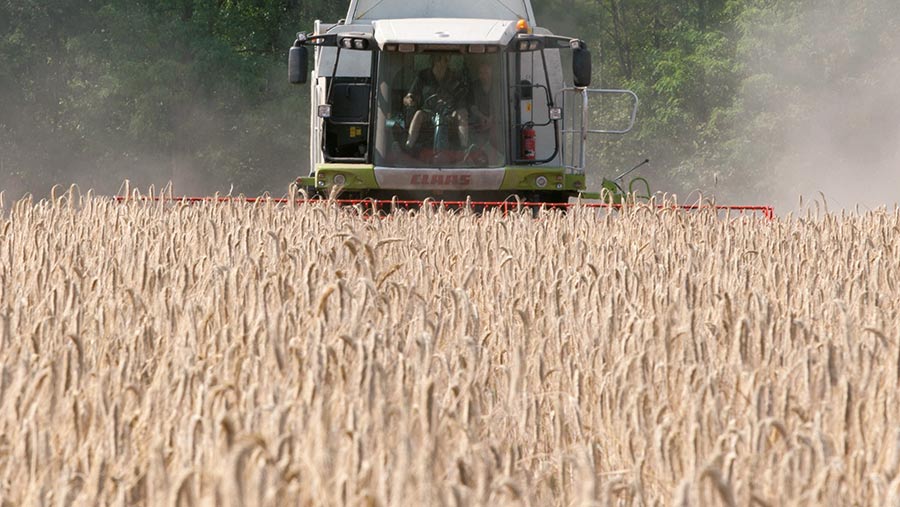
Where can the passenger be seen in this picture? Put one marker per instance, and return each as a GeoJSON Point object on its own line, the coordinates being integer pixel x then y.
{"type": "Point", "coordinates": [437, 83]}
{"type": "Point", "coordinates": [483, 110]}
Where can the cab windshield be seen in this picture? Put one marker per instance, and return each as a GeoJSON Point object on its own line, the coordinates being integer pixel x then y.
{"type": "Point", "coordinates": [440, 109]}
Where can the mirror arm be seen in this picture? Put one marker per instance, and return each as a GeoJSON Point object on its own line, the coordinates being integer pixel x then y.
{"type": "Point", "coordinates": [327, 39]}
{"type": "Point", "coordinates": [559, 42]}
{"type": "Point", "coordinates": [555, 41]}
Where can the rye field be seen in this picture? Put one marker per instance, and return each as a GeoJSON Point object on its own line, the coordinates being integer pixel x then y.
{"type": "Point", "coordinates": [268, 355]}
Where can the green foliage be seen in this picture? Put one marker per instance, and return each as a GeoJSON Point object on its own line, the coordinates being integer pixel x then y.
{"type": "Point", "coordinates": [100, 91]}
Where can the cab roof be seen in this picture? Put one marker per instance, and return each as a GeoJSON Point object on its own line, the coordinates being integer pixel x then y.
{"type": "Point", "coordinates": [444, 31]}
{"type": "Point", "coordinates": [371, 10]}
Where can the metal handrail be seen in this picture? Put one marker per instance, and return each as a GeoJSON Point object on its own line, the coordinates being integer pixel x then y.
{"type": "Point", "coordinates": [584, 129]}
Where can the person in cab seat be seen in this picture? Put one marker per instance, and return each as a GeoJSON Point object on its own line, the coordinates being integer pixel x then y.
{"type": "Point", "coordinates": [437, 90]}
{"type": "Point", "coordinates": [484, 109]}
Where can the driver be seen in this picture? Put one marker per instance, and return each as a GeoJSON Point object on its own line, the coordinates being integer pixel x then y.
{"type": "Point", "coordinates": [442, 84]}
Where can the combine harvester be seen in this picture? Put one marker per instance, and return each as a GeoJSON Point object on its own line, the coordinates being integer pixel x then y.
{"type": "Point", "coordinates": [451, 100]}
{"type": "Point", "coordinates": [454, 103]}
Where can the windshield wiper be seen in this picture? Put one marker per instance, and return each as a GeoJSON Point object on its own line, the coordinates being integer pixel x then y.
{"type": "Point", "coordinates": [363, 15]}
{"type": "Point", "coordinates": [516, 14]}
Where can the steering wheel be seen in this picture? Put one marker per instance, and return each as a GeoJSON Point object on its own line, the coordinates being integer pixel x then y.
{"type": "Point", "coordinates": [442, 101]}
{"type": "Point", "coordinates": [435, 103]}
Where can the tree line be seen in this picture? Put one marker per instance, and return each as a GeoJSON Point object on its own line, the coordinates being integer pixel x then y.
{"type": "Point", "coordinates": [195, 90]}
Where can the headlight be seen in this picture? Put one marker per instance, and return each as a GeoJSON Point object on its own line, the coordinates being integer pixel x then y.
{"type": "Point", "coordinates": [339, 179]}
{"type": "Point", "coordinates": [540, 181]}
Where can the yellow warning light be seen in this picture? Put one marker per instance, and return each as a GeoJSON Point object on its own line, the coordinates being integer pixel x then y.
{"type": "Point", "coordinates": [522, 26]}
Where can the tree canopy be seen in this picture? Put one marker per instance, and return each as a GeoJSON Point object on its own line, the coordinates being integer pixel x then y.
{"type": "Point", "coordinates": [99, 91]}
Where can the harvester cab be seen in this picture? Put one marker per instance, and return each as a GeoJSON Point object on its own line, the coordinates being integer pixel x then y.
{"type": "Point", "coordinates": [453, 100]}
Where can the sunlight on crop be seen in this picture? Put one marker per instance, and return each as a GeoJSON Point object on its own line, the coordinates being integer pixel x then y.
{"type": "Point", "coordinates": [235, 354]}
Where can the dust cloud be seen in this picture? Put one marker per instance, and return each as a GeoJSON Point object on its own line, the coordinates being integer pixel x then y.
{"type": "Point", "coordinates": [214, 153]}
{"type": "Point", "coordinates": [50, 138]}
{"type": "Point", "coordinates": [828, 106]}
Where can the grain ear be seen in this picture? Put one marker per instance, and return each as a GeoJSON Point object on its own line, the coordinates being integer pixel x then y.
{"type": "Point", "coordinates": [311, 354]}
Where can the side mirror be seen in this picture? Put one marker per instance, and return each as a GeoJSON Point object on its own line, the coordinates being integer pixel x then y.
{"type": "Point", "coordinates": [298, 59]}
{"type": "Point", "coordinates": [526, 91]}
{"type": "Point", "coordinates": [581, 66]}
